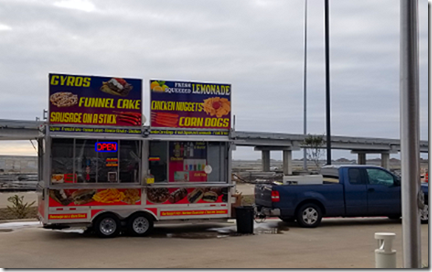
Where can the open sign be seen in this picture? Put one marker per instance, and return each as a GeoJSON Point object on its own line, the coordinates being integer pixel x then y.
{"type": "Point", "coordinates": [106, 147]}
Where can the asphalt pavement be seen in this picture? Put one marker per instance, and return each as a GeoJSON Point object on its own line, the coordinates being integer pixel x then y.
{"type": "Point", "coordinates": [337, 243]}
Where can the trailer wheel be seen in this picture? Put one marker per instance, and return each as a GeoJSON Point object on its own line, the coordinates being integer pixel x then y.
{"type": "Point", "coordinates": [309, 215]}
{"type": "Point", "coordinates": [107, 226]}
{"type": "Point", "coordinates": [140, 224]}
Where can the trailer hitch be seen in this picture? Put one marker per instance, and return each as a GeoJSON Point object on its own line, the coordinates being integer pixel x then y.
{"type": "Point", "coordinates": [259, 216]}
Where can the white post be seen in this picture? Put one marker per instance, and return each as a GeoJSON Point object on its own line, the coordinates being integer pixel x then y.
{"type": "Point", "coordinates": [385, 256]}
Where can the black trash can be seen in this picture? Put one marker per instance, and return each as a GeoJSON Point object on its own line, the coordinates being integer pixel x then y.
{"type": "Point", "coordinates": [245, 219]}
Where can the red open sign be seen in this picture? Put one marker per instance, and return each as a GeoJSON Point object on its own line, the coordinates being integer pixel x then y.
{"type": "Point", "coordinates": [106, 147]}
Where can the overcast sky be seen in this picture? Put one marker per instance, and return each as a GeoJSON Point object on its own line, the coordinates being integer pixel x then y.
{"type": "Point", "coordinates": [255, 45]}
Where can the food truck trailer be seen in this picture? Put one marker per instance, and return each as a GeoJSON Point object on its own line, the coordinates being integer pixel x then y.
{"type": "Point", "coordinates": [101, 168]}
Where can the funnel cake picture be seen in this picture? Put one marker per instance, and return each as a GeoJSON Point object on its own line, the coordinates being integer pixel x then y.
{"type": "Point", "coordinates": [217, 106]}
{"type": "Point", "coordinates": [64, 99]}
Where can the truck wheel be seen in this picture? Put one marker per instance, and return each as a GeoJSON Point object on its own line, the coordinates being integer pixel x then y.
{"type": "Point", "coordinates": [424, 214]}
{"type": "Point", "coordinates": [140, 224]}
{"type": "Point", "coordinates": [107, 226]}
{"type": "Point", "coordinates": [309, 215]}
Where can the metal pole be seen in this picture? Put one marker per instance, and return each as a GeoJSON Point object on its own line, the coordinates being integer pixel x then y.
{"type": "Point", "coordinates": [304, 86]}
{"type": "Point", "coordinates": [327, 57]}
{"type": "Point", "coordinates": [409, 121]}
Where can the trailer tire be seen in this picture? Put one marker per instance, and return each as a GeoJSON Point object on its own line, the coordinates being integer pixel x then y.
{"type": "Point", "coordinates": [107, 225]}
{"type": "Point", "coordinates": [140, 224]}
{"type": "Point", "coordinates": [309, 215]}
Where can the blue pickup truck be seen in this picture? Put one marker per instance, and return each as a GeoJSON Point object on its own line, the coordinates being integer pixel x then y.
{"type": "Point", "coordinates": [347, 191]}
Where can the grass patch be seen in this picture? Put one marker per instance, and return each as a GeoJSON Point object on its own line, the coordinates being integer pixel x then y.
{"type": "Point", "coordinates": [6, 214]}
{"type": "Point", "coordinates": [248, 200]}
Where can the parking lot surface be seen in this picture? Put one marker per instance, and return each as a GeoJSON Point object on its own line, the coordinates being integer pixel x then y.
{"type": "Point", "coordinates": [337, 243]}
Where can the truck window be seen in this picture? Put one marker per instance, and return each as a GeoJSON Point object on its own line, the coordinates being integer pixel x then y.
{"type": "Point", "coordinates": [355, 177]}
{"type": "Point", "coordinates": [379, 177]}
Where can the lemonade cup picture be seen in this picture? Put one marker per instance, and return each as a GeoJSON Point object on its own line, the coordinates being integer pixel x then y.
{"type": "Point", "coordinates": [158, 86]}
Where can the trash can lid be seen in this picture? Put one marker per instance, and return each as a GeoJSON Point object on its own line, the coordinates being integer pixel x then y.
{"type": "Point", "coordinates": [385, 235]}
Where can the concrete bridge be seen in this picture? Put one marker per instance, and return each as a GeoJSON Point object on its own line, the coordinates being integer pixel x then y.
{"type": "Point", "coordinates": [261, 141]}
{"type": "Point", "coordinates": [266, 142]}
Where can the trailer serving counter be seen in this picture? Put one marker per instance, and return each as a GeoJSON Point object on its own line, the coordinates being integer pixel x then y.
{"type": "Point", "coordinates": [103, 169]}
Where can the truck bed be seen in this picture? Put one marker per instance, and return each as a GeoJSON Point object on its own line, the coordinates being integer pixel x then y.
{"type": "Point", "coordinates": [291, 196]}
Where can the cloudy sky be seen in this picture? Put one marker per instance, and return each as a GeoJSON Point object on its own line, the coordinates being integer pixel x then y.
{"type": "Point", "coordinates": [255, 45]}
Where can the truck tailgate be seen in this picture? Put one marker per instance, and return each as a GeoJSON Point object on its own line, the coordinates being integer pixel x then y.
{"type": "Point", "coordinates": [263, 195]}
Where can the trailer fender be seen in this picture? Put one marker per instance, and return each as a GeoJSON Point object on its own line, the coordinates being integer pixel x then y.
{"type": "Point", "coordinates": [96, 213]}
{"type": "Point", "coordinates": [152, 212]}
{"type": "Point", "coordinates": [124, 214]}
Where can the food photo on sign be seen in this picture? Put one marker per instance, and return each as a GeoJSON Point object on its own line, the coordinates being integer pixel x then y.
{"type": "Point", "coordinates": [92, 100]}
{"type": "Point", "coordinates": [187, 195]}
{"type": "Point", "coordinates": [94, 197]}
{"type": "Point", "coordinates": [193, 105]}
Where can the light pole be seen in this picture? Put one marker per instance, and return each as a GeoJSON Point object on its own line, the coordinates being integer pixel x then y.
{"type": "Point", "coordinates": [304, 86]}
{"type": "Point", "coordinates": [410, 133]}
{"type": "Point", "coordinates": [327, 61]}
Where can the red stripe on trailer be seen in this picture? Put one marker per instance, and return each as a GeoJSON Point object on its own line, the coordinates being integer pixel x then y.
{"type": "Point", "coordinates": [94, 212]}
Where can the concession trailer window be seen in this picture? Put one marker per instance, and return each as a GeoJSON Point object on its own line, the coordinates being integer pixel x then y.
{"type": "Point", "coordinates": [158, 160]}
{"type": "Point", "coordinates": [186, 161]}
{"type": "Point", "coordinates": [95, 161]}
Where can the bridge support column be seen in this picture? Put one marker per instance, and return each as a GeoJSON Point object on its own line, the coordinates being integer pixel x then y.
{"type": "Point", "coordinates": [265, 158]}
{"type": "Point", "coordinates": [287, 162]}
{"type": "Point", "coordinates": [361, 158]}
{"type": "Point", "coordinates": [385, 160]}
